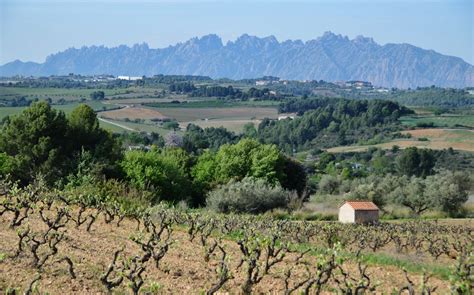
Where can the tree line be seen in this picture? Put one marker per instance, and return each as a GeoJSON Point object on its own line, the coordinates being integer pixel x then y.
{"type": "Point", "coordinates": [330, 122]}
{"type": "Point", "coordinates": [42, 141]}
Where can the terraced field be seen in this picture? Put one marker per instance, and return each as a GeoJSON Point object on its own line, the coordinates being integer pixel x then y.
{"type": "Point", "coordinates": [446, 120]}
{"type": "Point", "coordinates": [458, 139]}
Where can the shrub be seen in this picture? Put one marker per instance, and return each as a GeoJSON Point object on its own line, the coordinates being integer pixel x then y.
{"type": "Point", "coordinates": [329, 184]}
{"type": "Point", "coordinates": [247, 196]}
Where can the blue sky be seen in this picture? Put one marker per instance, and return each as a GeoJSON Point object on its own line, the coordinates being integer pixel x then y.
{"type": "Point", "coordinates": [32, 29]}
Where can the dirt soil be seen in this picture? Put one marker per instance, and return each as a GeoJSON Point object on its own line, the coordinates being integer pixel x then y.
{"type": "Point", "coordinates": [132, 113]}
{"type": "Point", "coordinates": [183, 270]}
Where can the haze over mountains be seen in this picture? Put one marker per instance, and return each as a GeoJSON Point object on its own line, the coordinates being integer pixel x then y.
{"type": "Point", "coordinates": [330, 57]}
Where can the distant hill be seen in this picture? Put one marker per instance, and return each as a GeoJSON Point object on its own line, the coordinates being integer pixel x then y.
{"type": "Point", "coordinates": [330, 57]}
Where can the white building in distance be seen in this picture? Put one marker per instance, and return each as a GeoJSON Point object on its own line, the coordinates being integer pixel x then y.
{"type": "Point", "coordinates": [128, 78]}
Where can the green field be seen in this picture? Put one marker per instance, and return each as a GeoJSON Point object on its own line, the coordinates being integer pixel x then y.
{"type": "Point", "coordinates": [114, 126]}
{"type": "Point", "coordinates": [212, 103]}
{"type": "Point", "coordinates": [445, 120]}
{"type": "Point", "coordinates": [433, 138]}
{"type": "Point", "coordinates": [53, 93]}
{"type": "Point", "coordinates": [67, 108]}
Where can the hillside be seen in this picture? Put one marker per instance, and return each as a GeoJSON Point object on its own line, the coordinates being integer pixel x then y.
{"type": "Point", "coordinates": [330, 57]}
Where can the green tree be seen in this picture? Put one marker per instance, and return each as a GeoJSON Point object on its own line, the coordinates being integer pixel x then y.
{"type": "Point", "coordinates": [204, 171]}
{"type": "Point", "coordinates": [412, 195]}
{"type": "Point", "coordinates": [250, 195]}
{"type": "Point", "coordinates": [97, 95]}
{"type": "Point", "coordinates": [449, 190]}
{"type": "Point", "coordinates": [249, 130]}
{"type": "Point", "coordinates": [6, 164]}
{"type": "Point", "coordinates": [172, 125]}
{"type": "Point", "coordinates": [36, 140]}
{"type": "Point", "coordinates": [159, 173]}
{"type": "Point", "coordinates": [85, 134]}
{"type": "Point", "coordinates": [249, 158]}
{"type": "Point", "coordinates": [416, 162]}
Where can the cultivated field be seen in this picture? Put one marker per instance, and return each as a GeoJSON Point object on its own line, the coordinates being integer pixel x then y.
{"type": "Point", "coordinates": [176, 252]}
{"type": "Point", "coordinates": [132, 113]}
{"type": "Point", "coordinates": [233, 118]}
{"type": "Point", "coordinates": [53, 93]}
{"type": "Point", "coordinates": [433, 138]}
{"type": "Point", "coordinates": [445, 120]}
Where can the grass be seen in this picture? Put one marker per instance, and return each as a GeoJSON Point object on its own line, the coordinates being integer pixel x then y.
{"type": "Point", "coordinates": [67, 108]}
{"type": "Point", "coordinates": [139, 127]}
{"type": "Point", "coordinates": [231, 113]}
{"type": "Point", "coordinates": [212, 104]}
{"type": "Point", "coordinates": [372, 259]}
{"type": "Point", "coordinates": [433, 138]}
{"type": "Point", "coordinates": [382, 259]}
{"type": "Point", "coordinates": [445, 120]}
{"type": "Point", "coordinates": [53, 93]}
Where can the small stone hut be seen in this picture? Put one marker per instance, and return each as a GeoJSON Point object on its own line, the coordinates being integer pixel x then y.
{"type": "Point", "coordinates": [358, 212]}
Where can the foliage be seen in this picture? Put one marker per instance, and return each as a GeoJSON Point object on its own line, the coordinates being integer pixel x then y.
{"type": "Point", "coordinates": [249, 158]}
{"type": "Point", "coordinates": [36, 140]}
{"type": "Point", "coordinates": [6, 164]}
{"type": "Point", "coordinates": [250, 195]}
{"type": "Point", "coordinates": [417, 162]}
{"type": "Point", "coordinates": [42, 140]}
{"type": "Point", "coordinates": [161, 172]}
{"type": "Point", "coordinates": [197, 139]}
{"type": "Point", "coordinates": [97, 95]}
{"type": "Point", "coordinates": [331, 122]}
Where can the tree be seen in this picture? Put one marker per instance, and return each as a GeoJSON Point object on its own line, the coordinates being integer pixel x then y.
{"type": "Point", "coordinates": [173, 125]}
{"type": "Point", "coordinates": [173, 139]}
{"type": "Point", "coordinates": [416, 162]}
{"type": "Point", "coordinates": [329, 184]}
{"type": "Point", "coordinates": [412, 194]}
{"type": "Point", "coordinates": [295, 178]}
{"type": "Point", "coordinates": [158, 172]}
{"type": "Point", "coordinates": [250, 195]}
{"type": "Point", "coordinates": [36, 140]}
{"type": "Point", "coordinates": [249, 158]}
{"type": "Point", "coordinates": [85, 134]}
{"type": "Point", "coordinates": [41, 140]}
{"type": "Point", "coordinates": [97, 95]}
{"type": "Point", "coordinates": [449, 189]}
{"type": "Point", "coordinates": [196, 139]}
{"type": "Point", "coordinates": [204, 171]}
{"type": "Point", "coordinates": [6, 164]}
{"type": "Point", "coordinates": [249, 130]}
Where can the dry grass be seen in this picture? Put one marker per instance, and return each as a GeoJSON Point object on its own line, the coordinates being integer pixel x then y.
{"type": "Point", "coordinates": [132, 113]}
{"type": "Point", "coordinates": [232, 113]}
{"type": "Point", "coordinates": [438, 139]}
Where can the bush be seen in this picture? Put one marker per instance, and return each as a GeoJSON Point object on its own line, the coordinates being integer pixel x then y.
{"type": "Point", "coordinates": [329, 184]}
{"type": "Point", "coordinates": [247, 196]}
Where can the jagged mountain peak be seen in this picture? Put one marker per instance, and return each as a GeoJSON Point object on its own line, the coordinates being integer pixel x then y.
{"type": "Point", "coordinates": [331, 57]}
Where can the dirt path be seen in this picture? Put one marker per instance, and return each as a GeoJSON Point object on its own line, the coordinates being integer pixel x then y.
{"type": "Point", "coordinates": [117, 124]}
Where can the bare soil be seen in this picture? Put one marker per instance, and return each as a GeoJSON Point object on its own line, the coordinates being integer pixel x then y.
{"type": "Point", "coordinates": [183, 269]}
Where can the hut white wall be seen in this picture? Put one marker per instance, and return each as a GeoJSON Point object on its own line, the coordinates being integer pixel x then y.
{"type": "Point", "coordinates": [346, 214]}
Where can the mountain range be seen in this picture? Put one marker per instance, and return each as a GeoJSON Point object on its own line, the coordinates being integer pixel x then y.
{"type": "Point", "coordinates": [330, 57]}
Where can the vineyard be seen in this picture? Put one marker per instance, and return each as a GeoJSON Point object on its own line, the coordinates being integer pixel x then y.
{"type": "Point", "coordinates": [55, 242]}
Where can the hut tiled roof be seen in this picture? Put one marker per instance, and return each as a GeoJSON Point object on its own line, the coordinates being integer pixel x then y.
{"type": "Point", "coordinates": [362, 205]}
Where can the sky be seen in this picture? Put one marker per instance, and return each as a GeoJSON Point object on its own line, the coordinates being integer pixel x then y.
{"type": "Point", "coordinates": [30, 30]}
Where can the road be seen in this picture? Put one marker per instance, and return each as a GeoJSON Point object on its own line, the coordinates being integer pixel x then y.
{"type": "Point", "coordinates": [117, 124]}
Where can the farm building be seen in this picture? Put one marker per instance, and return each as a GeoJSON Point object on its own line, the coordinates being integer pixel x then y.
{"type": "Point", "coordinates": [358, 212]}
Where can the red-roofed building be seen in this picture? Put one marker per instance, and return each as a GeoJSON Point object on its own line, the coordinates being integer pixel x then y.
{"type": "Point", "coordinates": [358, 212]}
